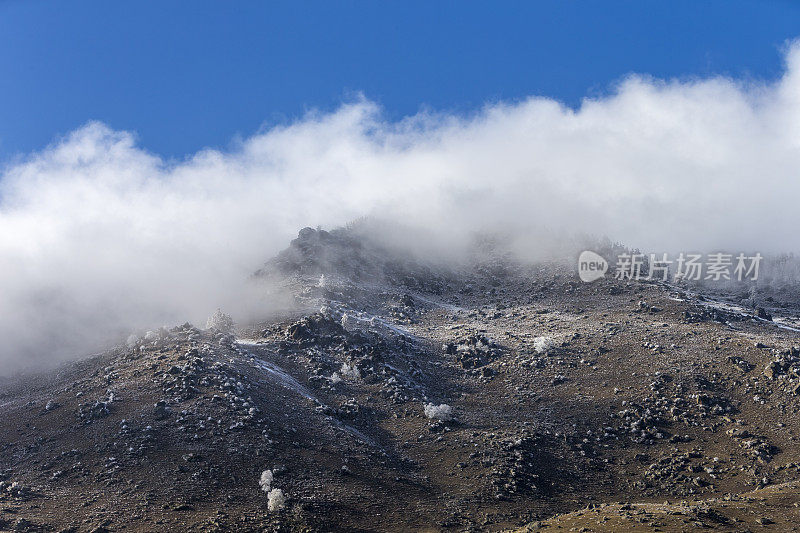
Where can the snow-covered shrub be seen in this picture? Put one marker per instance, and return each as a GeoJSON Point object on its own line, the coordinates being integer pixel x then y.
{"type": "Point", "coordinates": [265, 482]}
{"type": "Point", "coordinates": [543, 345]}
{"type": "Point", "coordinates": [275, 500]}
{"type": "Point", "coordinates": [349, 370]}
{"type": "Point", "coordinates": [221, 322]}
{"type": "Point", "coordinates": [159, 334]}
{"type": "Point", "coordinates": [132, 341]}
{"type": "Point", "coordinates": [331, 313]}
{"type": "Point", "coordinates": [441, 412]}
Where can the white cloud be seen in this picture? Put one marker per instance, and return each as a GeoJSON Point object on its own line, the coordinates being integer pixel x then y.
{"type": "Point", "coordinates": [97, 236]}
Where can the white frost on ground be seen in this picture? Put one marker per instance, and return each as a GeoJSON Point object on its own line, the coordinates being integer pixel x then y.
{"type": "Point", "coordinates": [283, 377]}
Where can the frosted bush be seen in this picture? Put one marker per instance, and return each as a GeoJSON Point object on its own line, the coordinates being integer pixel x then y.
{"type": "Point", "coordinates": [543, 345]}
{"type": "Point", "coordinates": [132, 341]}
{"type": "Point", "coordinates": [275, 500]}
{"type": "Point", "coordinates": [439, 412]}
{"type": "Point", "coordinates": [221, 322]}
{"type": "Point", "coordinates": [266, 480]}
{"type": "Point", "coordinates": [349, 370]}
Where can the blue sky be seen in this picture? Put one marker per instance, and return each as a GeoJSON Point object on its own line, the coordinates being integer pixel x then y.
{"type": "Point", "coordinates": [186, 75]}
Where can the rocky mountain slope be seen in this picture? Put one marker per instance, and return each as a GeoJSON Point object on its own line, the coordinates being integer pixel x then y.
{"type": "Point", "coordinates": [400, 396]}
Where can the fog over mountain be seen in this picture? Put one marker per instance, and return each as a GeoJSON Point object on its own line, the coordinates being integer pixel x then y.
{"type": "Point", "coordinates": [100, 237]}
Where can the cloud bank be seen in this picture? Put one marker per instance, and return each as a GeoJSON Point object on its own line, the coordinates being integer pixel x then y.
{"type": "Point", "coordinates": [98, 236]}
